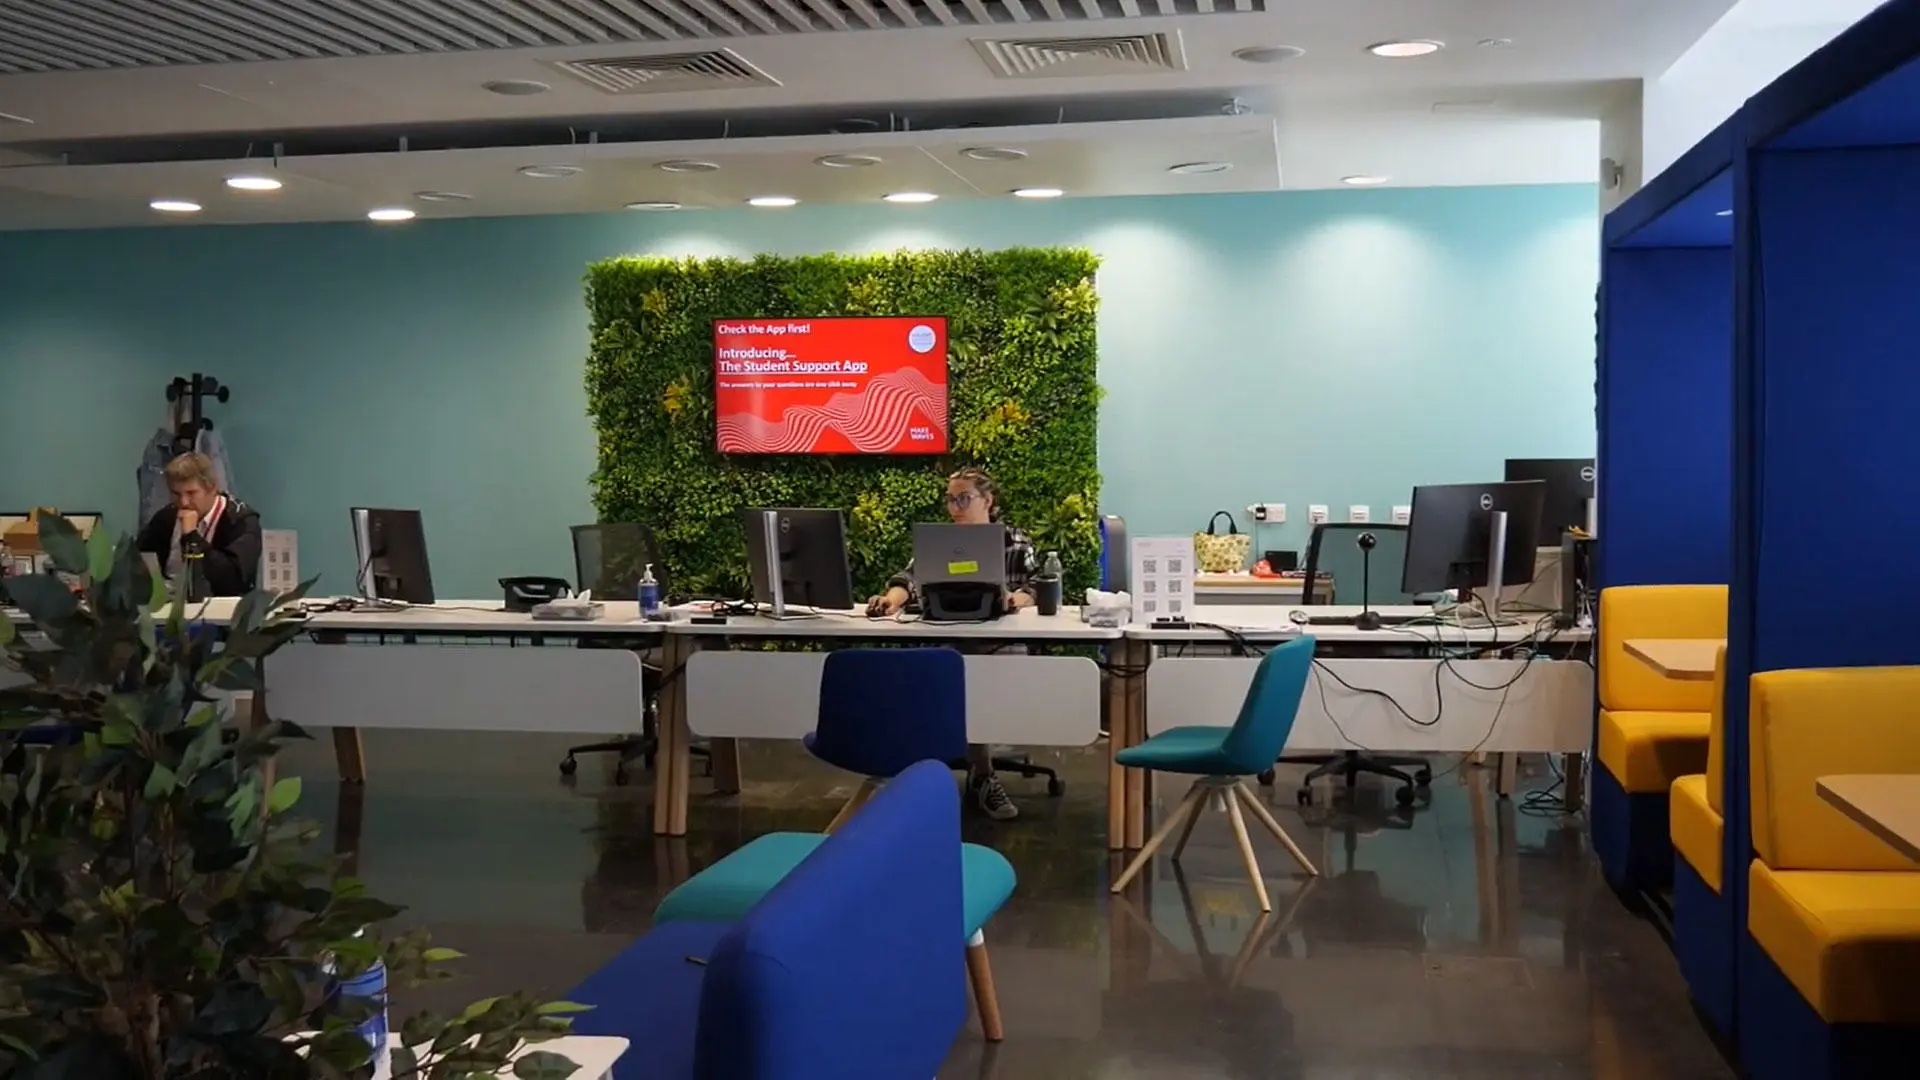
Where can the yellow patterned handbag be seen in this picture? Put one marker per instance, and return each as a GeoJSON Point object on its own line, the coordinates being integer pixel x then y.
{"type": "Point", "coordinates": [1221, 553]}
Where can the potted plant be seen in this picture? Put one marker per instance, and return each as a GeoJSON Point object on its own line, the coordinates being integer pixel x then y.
{"type": "Point", "coordinates": [161, 915]}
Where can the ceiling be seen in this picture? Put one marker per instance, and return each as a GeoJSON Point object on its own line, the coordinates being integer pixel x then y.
{"type": "Point", "coordinates": [105, 104]}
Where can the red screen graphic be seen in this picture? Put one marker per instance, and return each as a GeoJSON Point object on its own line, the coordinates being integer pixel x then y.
{"type": "Point", "coordinates": [831, 386]}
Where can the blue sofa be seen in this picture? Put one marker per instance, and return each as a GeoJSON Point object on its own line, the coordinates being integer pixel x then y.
{"type": "Point", "coordinates": [845, 970]}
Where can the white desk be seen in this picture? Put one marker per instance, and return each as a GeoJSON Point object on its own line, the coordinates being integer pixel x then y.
{"type": "Point", "coordinates": [1245, 589]}
{"type": "Point", "coordinates": [594, 1056]}
{"type": "Point", "coordinates": [728, 694]}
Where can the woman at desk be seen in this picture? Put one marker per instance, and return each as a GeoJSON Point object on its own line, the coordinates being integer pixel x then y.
{"type": "Point", "coordinates": [972, 499]}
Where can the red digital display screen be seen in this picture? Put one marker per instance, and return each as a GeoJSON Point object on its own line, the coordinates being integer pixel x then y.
{"type": "Point", "coordinates": [831, 386]}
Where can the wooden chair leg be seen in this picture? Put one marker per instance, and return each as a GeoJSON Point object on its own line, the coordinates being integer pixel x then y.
{"type": "Point", "coordinates": [1246, 853]}
{"type": "Point", "coordinates": [865, 791]}
{"type": "Point", "coordinates": [1188, 806]}
{"type": "Point", "coordinates": [985, 998]}
{"type": "Point", "coordinates": [1186, 831]}
{"type": "Point", "coordinates": [1273, 826]}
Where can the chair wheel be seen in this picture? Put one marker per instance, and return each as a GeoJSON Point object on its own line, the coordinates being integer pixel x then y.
{"type": "Point", "coordinates": [1423, 777]}
{"type": "Point", "coordinates": [1304, 796]}
{"type": "Point", "coordinates": [1056, 787]}
{"type": "Point", "coordinates": [620, 774]}
{"type": "Point", "coordinates": [1265, 778]}
{"type": "Point", "coordinates": [1404, 796]}
{"type": "Point", "coordinates": [569, 766]}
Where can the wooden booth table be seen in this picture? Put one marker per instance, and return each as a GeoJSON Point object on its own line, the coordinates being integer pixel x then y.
{"type": "Point", "coordinates": [1886, 806]}
{"type": "Point", "coordinates": [1686, 659]}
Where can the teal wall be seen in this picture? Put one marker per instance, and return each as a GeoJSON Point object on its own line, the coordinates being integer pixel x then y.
{"type": "Point", "coordinates": [1331, 347]}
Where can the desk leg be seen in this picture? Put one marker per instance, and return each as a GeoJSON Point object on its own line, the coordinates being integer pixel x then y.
{"type": "Point", "coordinates": [1139, 781]}
{"type": "Point", "coordinates": [1507, 775]}
{"type": "Point", "coordinates": [671, 776]}
{"type": "Point", "coordinates": [1574, 790]}
{"type": "Point", "coordinates": [726, 765]}
{"type": "Point", "coordinates": [350, 754]}
{"type": "Point", "coordinates": [1120, 653]}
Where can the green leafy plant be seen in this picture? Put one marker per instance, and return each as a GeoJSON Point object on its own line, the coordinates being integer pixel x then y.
{"type": "Point", "coordinates": [1022, 401]}
{"type": "Point", "coordinates": [162, 917]}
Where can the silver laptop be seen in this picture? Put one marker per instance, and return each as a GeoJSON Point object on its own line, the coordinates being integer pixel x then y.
{"type": "Point", "coordinates": [948, 554]}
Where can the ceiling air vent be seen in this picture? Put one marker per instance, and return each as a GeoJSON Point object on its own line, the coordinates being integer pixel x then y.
{"type": "Point", "coordinates": [1121, 54]}
{"type": "Point", "coordinates": [669, 73]}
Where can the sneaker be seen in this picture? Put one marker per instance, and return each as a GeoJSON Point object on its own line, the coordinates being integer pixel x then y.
{"type": "Point", "coordinates": [994, 800]}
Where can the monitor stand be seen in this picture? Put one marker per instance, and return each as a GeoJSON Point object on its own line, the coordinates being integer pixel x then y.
{"type": "Point", "coordinates": [776, 583]}
{"type": "Point", "coordinates": [1496, 562]}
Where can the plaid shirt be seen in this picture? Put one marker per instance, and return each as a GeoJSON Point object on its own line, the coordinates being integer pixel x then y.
{"type": "Point", "coordinates": [1022, 566]}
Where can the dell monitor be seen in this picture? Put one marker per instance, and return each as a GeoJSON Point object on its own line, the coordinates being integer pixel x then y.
{"type": "Point", "coordinates": [1569, 494]}
{"type": "Point", "coordinates": [798, 557]}
{"type": "Point", "coordinates": [390, 547]}
{"type": "Point", "coordinates": [1451, 542]}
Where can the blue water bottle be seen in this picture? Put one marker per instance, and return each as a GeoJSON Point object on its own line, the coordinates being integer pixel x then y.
{"type": "Point", "coordinates": [649, 595]}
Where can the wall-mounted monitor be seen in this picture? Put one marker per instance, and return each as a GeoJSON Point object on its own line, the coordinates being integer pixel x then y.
{"type": "Point", "coordinates": [845, 385]}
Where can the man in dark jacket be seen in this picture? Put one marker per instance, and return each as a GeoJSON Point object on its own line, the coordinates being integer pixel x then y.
{"type": "Point", "coordinates": [205, 528]}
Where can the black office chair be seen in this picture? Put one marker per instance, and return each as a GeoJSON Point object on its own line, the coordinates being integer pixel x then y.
{"type": "Point", "coordinates": [1335, 550]}
{"type": "Point", "coordinates": [609, 560]}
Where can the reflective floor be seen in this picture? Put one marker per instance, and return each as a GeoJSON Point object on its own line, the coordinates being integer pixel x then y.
{"type": "Point", "coordinates": [1471, 938]}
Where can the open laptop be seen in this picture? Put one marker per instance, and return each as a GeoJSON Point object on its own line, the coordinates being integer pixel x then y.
{"type": "Point", "coordinates": [961, 571]}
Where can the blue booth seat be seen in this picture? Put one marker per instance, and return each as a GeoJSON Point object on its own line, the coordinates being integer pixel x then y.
{"type": "Point", "coordinates": [843, 970]}
{"type": "Point", "coordinates": [1221, 758]}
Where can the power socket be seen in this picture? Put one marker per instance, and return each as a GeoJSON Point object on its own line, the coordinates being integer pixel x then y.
{"type": "Point", "coordinates": [1268, 513]}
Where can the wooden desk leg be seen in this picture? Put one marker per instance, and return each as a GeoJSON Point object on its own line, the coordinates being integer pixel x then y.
{"type": "Point", "coordinates": [350, 754]}
{"type": "Point", "coordinates": [1139, 782]}
{"type": "Point", "coordinates": [1574, 790]}
{"type": "Point", "coordinates": [671, 774]}
{"type": "Point", "coordinates": [1120, 654]}
{"type": "Point", "coordinates": [726, 765]}
{"type": "Point", "coordinates": [1508, 775]}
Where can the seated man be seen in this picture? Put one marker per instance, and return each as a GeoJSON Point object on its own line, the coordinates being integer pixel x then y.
{"type": "Point", "coordinates": [212, 529]}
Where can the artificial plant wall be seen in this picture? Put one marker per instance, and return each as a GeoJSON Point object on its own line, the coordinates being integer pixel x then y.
{"type": "Point", "coordinates": [1022, 402]}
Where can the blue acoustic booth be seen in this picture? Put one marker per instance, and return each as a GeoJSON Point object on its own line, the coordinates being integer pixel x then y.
{"type": "Point", "coordinates": [1664, 395]}
{"type": "Point", "coordinates": [1827, 392]}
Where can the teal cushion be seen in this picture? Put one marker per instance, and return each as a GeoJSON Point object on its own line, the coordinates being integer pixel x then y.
{"type": "Point", "coordinates": [725, 891]}
{"type": "Point", "coordinates": [1196, 751]}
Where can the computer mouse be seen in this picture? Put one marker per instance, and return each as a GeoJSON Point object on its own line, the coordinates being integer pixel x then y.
{"type": "Point", "coordinates": [1367, 620]}
{"type": "Point", "coordinates": [1299, 618]}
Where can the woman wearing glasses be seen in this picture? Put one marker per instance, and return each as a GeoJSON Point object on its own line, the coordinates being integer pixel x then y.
{"type": "Point", "coordinates": [972, 499]}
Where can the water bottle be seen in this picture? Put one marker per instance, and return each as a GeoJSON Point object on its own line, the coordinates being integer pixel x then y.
{"type": "Point", "coordinates": [649, 595]}
{"type": "Point", "coordinates": [369, 985]}
{"type": "Point", "coordinates": [1046, 588]}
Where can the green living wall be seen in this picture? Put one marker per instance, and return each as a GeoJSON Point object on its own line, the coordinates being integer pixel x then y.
{"type": "Point", "coordinates": [1022, 402]}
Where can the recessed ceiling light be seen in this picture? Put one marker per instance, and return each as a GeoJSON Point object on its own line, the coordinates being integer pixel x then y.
{"type": "Point", "coordinates": [1723, 213]}
{"type": "Point", "coordinates": [910, 197]}
{"type": "Point", "coordinates": [442, 196]}
{"type": "Point", "coordinates": [687, 166]}
{"type": "Point", "coordinates": [1363, 180]}
{"type": "Point", "coordinates": [847, 161]}
{"type": "Point", "coordinates": [1269, 54]}
{"type": "Point", "coordinates": [175, 206]}
{"type": "Point", "coordinates": [1199, 168]}
{"type": "Point", "coordinates": [772, 201]}
{"type": "Point", "coordinates": [253, 183]}
{"type": "Point", "coordinates": [993, 153]}
{"type": "Point", "coordinates": [1496, 43]}
{"type": "Point", "coordinates": [653, 204]}
{"type": "Point", "coordinates": [390, 214]}
{"type": "Point", "coordinates": [1037, 193]}
{"type": "Point", "coordinates": [1405, 50]}
{"type": "Point", "coordinates": [549, 172]}
{"type": "Point", "coordinates": [515, 87]}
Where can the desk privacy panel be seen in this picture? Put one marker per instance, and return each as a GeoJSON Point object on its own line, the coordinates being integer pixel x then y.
{"type": "Point", "coordinates": [1022, 402]}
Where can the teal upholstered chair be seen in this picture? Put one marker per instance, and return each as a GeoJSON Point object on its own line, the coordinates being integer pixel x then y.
{"type": "Point", "coordinates": [1221, 758]}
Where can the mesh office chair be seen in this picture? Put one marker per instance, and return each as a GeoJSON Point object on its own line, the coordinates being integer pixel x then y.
{"type": "Point", "coordinates": [1335, 550]}
{"type": "Point", "coordinates": [608, 560]}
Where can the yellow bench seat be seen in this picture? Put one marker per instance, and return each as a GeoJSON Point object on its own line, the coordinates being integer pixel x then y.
{"type": "Point", "coordinates": [1697, 828]}
{"type": "Point", "coordinates": [1647, 751]}
{"type": "Point", "coordinates": [1848, 940]}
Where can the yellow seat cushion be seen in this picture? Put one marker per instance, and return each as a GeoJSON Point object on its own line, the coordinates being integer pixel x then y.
{"type": "Point", "coordinates": [1831, 721]}
{"type": "Point", "coordinates": [1696, 828]}
{"type": "Point", "coordinates": [1627, 612]}
{"type": "Point", "coordinates": [1849, 941]}
{"type": "Point", "coordinates": [1647, 751]}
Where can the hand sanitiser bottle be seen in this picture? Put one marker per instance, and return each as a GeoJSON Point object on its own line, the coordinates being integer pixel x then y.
{"type": "Point", "coordinates": [649, 595]}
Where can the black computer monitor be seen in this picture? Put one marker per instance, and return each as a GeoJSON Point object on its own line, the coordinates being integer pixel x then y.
{"type": "Point", "coordinates": [1569, 492]}
{"type": "Point", "coordinates": [1448, 538]}
{"type": "Point", "coordinates": [811, 547]}
{"type": "Point", "coordinates": [391, 549]}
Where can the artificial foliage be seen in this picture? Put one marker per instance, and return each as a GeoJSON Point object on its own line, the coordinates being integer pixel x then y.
{"type": "Point", "coordinates": [1022, 402]}
{"type": "Point", "coordinates": [163, 916]}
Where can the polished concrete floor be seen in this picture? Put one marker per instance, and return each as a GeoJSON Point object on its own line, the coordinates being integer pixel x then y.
{"type": "Point", "coordinates": [1471, 938]}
